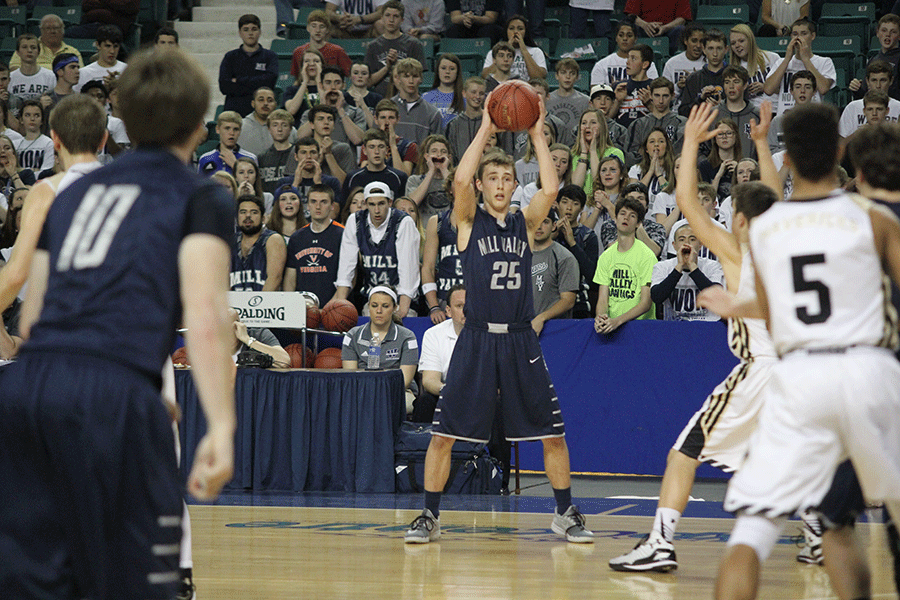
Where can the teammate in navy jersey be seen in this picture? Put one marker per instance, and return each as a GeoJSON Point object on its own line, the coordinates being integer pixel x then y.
{"type": "Point", "coordinates": [127, 253]}
{"type": "Point", "coordinates": [497, 348]}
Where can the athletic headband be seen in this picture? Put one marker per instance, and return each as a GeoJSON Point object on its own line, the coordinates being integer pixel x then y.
{"type": "Point", "coordinates": [383, 289]}
{"type": "Point", "coordinates": [67, 61]}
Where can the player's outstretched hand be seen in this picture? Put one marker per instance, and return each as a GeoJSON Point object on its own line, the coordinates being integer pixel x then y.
{"type": "Point", "coordinates": [486, 120]}
{"type": "Point", "coordinates": [760, 131]}
{"type": "Point", "coordinates": [537, 130]}
{"type": "Point", "coordinates": [697, 128]}
{"type": "Point", "coordinates": [718, 300]}
{"type": "Point", "coordinates": [213, 464]}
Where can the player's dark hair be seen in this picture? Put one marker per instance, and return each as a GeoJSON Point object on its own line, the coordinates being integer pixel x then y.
{"type": "Point", "coordinates": [165, 31]}
{"type": "Point", "coordinates": [811, 139]}
{"type": "Point", "coordinates": [736, 71]}
{"type": "Point", "coordinates": [109, 33]}
{"type": "Point", "coordinates": [163, 95]}
{"type": "Point", "coordinates": [752, 198]}
{"type": "Point", "coordinates": [646, 53]}
{"type": "Point", "coordinates": [250, 198]}
{"type": "Point", "coordinates": [875, 152]}
{"type": "Point", "coordinates": [573, 192]}
{"type": "Point", "coordinates": [632, 204]}
{"type": "Point", "coordinates": [321, 188]}
{"type": "Point", "coordinates": [249, 19]}
{"type": "Point", "coordinates": [80, 123]}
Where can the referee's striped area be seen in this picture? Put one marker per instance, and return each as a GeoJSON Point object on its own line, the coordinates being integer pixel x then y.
{"type": "Point", "coordinates": [323, 552]}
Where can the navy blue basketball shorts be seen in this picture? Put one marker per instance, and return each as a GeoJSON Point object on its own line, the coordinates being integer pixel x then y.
{"type": "Point", "coordinates": [484, 362]}
{"type": "Point", "coordinates": [91, 504]}
{"type": "Point", "coordinates": [844, 501]}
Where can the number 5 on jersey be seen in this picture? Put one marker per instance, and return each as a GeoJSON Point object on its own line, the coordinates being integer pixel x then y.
{"type": "Point", "coordinates": [95, 225]}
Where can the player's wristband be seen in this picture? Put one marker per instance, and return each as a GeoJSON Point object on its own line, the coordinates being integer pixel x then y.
{"type": "Point", "coordinates": [434, 308]}
{"type": "Point", "coordinates": [429, 287]}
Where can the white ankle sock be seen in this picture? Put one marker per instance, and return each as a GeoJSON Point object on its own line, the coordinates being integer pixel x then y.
{"type": "Point", "coordinates": [665, 522]}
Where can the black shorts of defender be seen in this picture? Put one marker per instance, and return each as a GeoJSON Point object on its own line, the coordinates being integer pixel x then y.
{"type": "Point", "coordinates": [488, 358]}
{"type": "Point", "coordinates": [844, 501]}
{"type": "Point", "coordinates": [91, 503]}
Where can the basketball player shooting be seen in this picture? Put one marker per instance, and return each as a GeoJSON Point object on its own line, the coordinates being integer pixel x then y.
{"type": "Point", "coordinates": [497, 348]}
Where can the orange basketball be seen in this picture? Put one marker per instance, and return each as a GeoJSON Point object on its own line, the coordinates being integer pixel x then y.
{"type": "Point", "coordinates": [301, 358]}
{"type": "Point", "coordinates": [329, 358]}
{"type": "Point", "coordinates": [180, 357]}
{"type": "Point", "coordinates": [339, 315]}
{"type": "Point", "coordinates": [313, 317]}
{"type": "Point", "coordinates": [514, 106]}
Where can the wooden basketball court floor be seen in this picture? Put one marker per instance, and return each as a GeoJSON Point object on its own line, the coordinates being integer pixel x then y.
{"type": "Point", "coordinates": [349, 546]}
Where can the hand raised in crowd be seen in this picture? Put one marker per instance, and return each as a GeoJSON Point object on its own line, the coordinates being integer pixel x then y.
{"type": "Point", "coordinates": [687, 259]}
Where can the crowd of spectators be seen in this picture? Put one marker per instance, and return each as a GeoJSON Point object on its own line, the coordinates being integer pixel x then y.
{"type": "Point", "coordinates": [342, 179]}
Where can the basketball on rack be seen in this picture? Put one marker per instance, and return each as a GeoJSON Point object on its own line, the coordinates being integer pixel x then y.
{"type": "Point", "coordinates": [329, 358]}
{"type": "Point", "coordinates": [514, 106]}
{"type": "Point", "coordinates": [299, 358]}
{"type": "Point", "coordinates": [313, 317]}
{"type": "Point", "coordinates": [339, 315]}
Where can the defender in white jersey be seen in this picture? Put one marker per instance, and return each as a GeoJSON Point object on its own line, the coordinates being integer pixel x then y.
{"type": "Point", "coordinates": [836, 390]}
{"type": "Point", "coordinates": [719, 432]}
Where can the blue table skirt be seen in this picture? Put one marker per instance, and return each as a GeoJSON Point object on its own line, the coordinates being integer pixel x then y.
{"type": "Point", "coordinates": [304, 430]}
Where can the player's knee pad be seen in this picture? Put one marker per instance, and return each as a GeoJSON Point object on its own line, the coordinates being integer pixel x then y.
{"type": "Point", "coordinates": [757, 532]}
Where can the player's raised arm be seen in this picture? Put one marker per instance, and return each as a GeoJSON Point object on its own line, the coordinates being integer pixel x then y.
{"type": "Point", "coordinates": [759, 133]}
{"type": "Point", "coordinates": [696, 131]}
{"type": "Point", "coordinates": [204, 261]}
{"type": "Point", "coordinates": [537, 210]}
{"type": "Point", "coordinates": [464, 202]}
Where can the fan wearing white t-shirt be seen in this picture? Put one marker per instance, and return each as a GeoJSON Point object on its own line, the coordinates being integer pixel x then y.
{"type": "Point", "coordinates": [528, 62]}
{"type": "Point", "coordinates": [612, 68]}
{"type": "Point", "coordinates": [35, 151]}
{"type": "Point", "coordinates": [679, 67]}
{"type": "Point", "coordinates": [799, 57]}
{"type": "Point", "coordinates": [29, 81]}
{"type": "Point", "coordinates": [107, 65]}
{"type": "Point", "coordinates": [878, 78]}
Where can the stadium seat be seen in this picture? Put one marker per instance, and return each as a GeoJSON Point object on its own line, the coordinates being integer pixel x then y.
{"type": "Point", "coordinates": [847, 19]}
{"type": "Point", "coordinates": [285, 48]}
{"type": "Point", "coordinates": [723, 17]}
{"type": "Point", "coordinates": [71, 15]}
{"type": "Point", "coordinates": [846, 52]}
{"type": "Point", "coordinates": [13, 18]}
{"type": "Point", "coordinates": [660, 46]}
